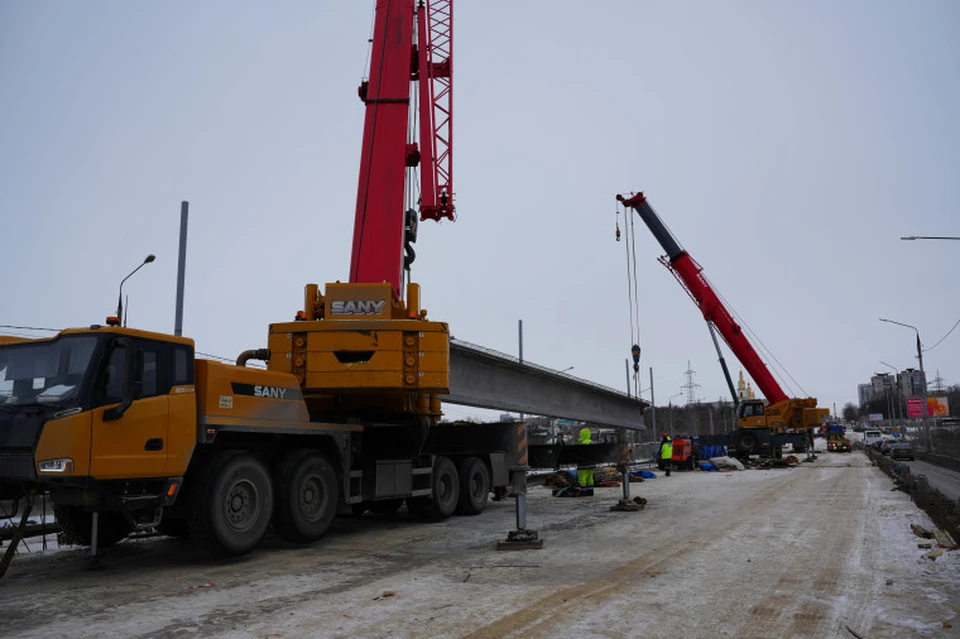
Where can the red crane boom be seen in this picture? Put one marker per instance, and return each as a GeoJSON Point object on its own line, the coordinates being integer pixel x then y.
{"type": "Point", "coordinates": [380, 228]}
{"type": "Point", "coordinates": [690, 274]}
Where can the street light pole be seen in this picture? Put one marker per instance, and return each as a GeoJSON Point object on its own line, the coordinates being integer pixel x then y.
{"type": "Point", "coordinates": [146, 261]}
{"type": "Point", "coordinates": [923, 379]}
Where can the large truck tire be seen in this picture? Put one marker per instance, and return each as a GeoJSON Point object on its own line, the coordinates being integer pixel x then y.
{"type": "Point", "coordinates": [233, 504]}
{"type": "Point", "coordinates": [474, 486]}
{"type": "Point", "coordinates": [76, 525]}
{"type": "Point", "coordinates": [445, 485]}
{"type": "Point", "coordinates": [307, 496]}
{"type": "Point", "coordinates": [747, 443]}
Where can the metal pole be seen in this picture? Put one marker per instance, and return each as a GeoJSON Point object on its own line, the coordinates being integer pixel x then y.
{"type": "Point", "coordinates": [520, 340]}
{"type": "Point", "coordinates": [181, 268]}
{"type": "Point", "coordinates": [626, 366]}
{"type": "Point", "coordinates": [520, 337]}
{"type": "Point", "coordinates": [923, 379]}
{"type": "Point", "coordinates": [520, 481]}
{"type": "Point", "coordinates": [653, 404]}
{"type": "Point", "coordinates": [926, 407]}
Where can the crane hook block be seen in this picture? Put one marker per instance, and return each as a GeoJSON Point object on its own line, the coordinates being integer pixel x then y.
{"type": "Point", "coordinates": [635, 351]}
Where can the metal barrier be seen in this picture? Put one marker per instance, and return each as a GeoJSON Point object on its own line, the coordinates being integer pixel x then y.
{"type": "Point", "coordinates": [944, 511]}
{"type": "Point", "coordinates": [944, 448]}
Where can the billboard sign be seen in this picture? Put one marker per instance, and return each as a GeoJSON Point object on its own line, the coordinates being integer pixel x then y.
{"type": "Point", "coordinates": [914, 407]}
{"type": "Point", "coordinates": [876, 417]}
{"type": "Point", "coordinates": [936, 407]}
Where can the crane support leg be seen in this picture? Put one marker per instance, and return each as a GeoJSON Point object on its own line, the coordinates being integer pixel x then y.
{"type": "Point", "coordinates": [521, 538]}
{"type": "Point", "coordinates": [625, 505]}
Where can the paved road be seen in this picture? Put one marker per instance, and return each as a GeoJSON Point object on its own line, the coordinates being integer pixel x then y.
{"type": "Point", "coordinates": [944, 480]}
{"type": "Point", "coordinates": [803, 552]}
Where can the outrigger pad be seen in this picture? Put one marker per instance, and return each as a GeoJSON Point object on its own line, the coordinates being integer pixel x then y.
{"type": "Point", "coordinates": [521, 540]}
{"type": "Point", "coordinates": [629, 506]}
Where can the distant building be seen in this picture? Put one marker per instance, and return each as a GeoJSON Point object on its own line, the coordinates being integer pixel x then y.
{"type": "Point", "coordinates": [882, 384]}
{"type": "Point", "coordinates": [906, 383]}
{"type": "Point", "coordinates": [864, 394]}
{"type": "Point", "coordinates": [911, 383]}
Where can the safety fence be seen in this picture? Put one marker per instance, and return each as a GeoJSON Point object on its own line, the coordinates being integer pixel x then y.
{"type": "Point", "coordinates": [943, 448]}
{"type": "Point", "coordinates": [645, 451]}
{"type": "Point", "coordinates": [944, 512]}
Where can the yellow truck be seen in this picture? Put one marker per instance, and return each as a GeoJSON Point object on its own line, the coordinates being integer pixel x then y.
{"type": "Point", "coordinates": [127, 429]}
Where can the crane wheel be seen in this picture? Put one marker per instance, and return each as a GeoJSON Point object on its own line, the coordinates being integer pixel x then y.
{"type": "Point", "coordinates": [233, 503]}
{"type": "Point", "coordinates": [474, 486]}
{"type": "Point", "coordinates": [77, 526]}
{"type": "Point", "coordinates": [445, 483]}
{"type": "Point", "coordinates": [747, 443]}
{"type": "Point", "coordinates": [307, 496]}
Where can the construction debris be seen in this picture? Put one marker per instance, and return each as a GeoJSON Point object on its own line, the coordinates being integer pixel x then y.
{"type": "Point", "coordinates": [920, 531]}
{"type": "Point", "coordinates": [727, 463]}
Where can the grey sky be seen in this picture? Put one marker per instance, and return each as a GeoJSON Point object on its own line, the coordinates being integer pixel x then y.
{"type": "Point", "coordinates": [788, 145]}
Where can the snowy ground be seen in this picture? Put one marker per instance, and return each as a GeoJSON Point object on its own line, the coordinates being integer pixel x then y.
{"type": "Point", "coordinates": [804, 552]}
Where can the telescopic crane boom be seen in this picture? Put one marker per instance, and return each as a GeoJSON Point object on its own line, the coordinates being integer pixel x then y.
{"type": "Point", "coordinates": [410, 44]}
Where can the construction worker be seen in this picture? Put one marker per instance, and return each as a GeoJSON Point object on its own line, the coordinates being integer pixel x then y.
{"type": "Point", "coordinates": [811, 449]}
{"type": "Point", "coordinates": [585, 475]}
{"type": "Point", "coordinates": [666, 452]}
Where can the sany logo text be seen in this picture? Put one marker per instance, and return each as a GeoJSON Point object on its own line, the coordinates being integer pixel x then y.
{"type": "Point", "coordinates": [269, 391]}
{"type": "Point", "coordinates": [357, 307]}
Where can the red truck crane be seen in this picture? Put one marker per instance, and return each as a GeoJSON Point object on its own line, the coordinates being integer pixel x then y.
{"type": "Point", "coordinates": [762, 428]}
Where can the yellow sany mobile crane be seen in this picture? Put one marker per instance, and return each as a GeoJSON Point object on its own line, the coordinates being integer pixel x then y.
{"type": "Point", "coordinates": [128, 429]}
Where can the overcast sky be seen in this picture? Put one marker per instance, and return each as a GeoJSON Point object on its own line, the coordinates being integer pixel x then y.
{"type": "Point", "coordinates": [788, 145]}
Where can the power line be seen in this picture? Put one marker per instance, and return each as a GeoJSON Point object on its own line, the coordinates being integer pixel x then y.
{"type": "Point", "coordinates": [30, 328]}
{"type": "Point", "coordinates": [943, 338]}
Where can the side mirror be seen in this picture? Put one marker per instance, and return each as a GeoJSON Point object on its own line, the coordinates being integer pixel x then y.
{"type": "Point", "coordinates": [126, 393]}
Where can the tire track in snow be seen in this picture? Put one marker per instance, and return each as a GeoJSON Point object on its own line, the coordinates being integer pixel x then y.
{"type": "Point", "coordinates": [547, 615]}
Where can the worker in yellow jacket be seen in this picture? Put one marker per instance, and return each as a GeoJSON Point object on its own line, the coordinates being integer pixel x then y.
{"type": "Point", "coordinates": [666, 452]}
{"type": "Point", "coordinates": [585, 475]}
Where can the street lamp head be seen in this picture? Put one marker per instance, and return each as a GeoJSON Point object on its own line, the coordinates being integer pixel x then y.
{"type": "Point", "coordinates": [149, 258]}
{"type": "Point", "coordinates": [890, 321]}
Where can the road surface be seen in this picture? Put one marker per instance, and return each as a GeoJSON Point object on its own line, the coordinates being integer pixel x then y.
{"type": "Point", "coordinates": [803, 552]}
{"type": "Point", "coordinates": [945, 480]}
